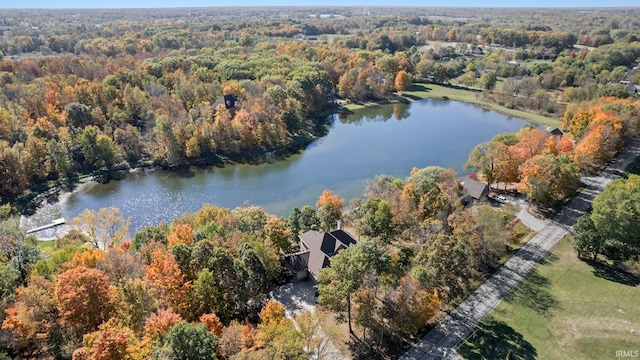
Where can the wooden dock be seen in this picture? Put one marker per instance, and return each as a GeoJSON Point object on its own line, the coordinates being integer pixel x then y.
{"type": "Point", "coordinates": [56, 222]}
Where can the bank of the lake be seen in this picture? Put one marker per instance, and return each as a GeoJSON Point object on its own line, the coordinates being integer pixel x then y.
{"type": "Point", "coordinates": [388, 139]}
{"type": "Point", "coordinates": [419, 91]}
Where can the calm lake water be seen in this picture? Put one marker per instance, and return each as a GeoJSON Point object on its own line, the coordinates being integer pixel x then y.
{"type": "Point", "coordinates": [389, 139]}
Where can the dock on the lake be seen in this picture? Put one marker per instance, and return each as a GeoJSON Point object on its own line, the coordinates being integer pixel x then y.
{"type": "Point", "coordinates": [55, 223]}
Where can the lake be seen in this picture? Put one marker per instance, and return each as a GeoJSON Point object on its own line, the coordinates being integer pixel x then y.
{"type": "Point", "coordinates": [389, 139]}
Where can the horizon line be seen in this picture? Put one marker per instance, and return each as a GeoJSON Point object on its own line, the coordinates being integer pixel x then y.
{"type": "Point", "coordinates": [325, 6]}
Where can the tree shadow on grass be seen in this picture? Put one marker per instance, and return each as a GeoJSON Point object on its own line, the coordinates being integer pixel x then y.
{"type": "Point", "coordinates": [532, 292]}
{"type": "Point", "coordinates": [419, 87]}
{"type": "Point", "coordinates": [548, 259]}
{"type": "Point", "coordinates": [494, 340]}
{"type": "Point", "coordinates": [611, 273]}
{"type": "Point", "coordinates": [412, 97]}
{"type": "Point", "coordinates": [361, 349]}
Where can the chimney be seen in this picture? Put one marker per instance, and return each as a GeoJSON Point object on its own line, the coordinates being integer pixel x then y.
{"type": "Point", "coordinates": [339, 224]}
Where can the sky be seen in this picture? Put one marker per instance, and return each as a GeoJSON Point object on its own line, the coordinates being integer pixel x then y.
{"type": "Point", "coordinates": [47, 4]}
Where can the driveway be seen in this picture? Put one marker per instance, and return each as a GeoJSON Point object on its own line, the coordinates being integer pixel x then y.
{"type": "Point", "coordinates": [529, 220]}
{"type": "Point", "coordinates": [297, 298]}
{"type": "Point", "coordinates": [443, 339]}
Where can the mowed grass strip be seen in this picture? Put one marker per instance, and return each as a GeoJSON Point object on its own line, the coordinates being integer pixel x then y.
{"type": "Point", "coordinates": [565, 308]}
{"type": "Point", "coordinates": [420, 91]}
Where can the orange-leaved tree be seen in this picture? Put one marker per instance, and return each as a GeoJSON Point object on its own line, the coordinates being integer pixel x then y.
{"type": "Point", "coordinates": [182, 234]}
{"type": "Point", "coordinates": [84, 298]}
{"type": "Point", "coordinates": [112, 341]}
{"type": "Point", "coordinates": [34, 318]}
{"type": "Point", "coordinates": [167, 279]}
{"type": "Point", "coordinates": [403, 81]}
{"type": "Point", "coordinates": [548, 178]}
{"type": "Point", "coordinates": [596, 148]}
{"type": "Point", "coordinates": [158, 324]}
{"type": "Point", "coordinates": [213, 323]}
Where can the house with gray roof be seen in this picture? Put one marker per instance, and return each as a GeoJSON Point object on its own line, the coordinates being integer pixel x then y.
{"type": "Point", "coordinates": [632, 89]}
{"type": "Point", "coordinates": [474, 191]}
{"type": "Point", "coordinates": [556, 132]}
{"type": "Point", "coordinates": [316, 252]}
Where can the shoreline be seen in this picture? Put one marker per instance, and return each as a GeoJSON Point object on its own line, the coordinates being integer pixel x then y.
{"type": "Point", "coordinates": [297, 143]}
{"type": "Point", "coordinates": [59, 194]}
{"type": "Point", "coordinates": [30, 205]}
{"type": "Point", "coordinates": [427, 90]}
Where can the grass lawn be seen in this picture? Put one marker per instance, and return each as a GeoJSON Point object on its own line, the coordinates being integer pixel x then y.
{"type": "Point", "coordinates": [530, 62]}
{"type": "Point", "coordinates": [360, 105]}
{"type": "Point", "coordinates": [46, 246]}
{"type": "Point", "coordinates": [421, 91]}
{"type": "Point", "coordinates": [332, 38]}
{"type": "Point", "coordinates": [564, 308]}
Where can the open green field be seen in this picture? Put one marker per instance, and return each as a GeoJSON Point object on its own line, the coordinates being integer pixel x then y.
{"type": "Point", "coordinates": [565, 308]}
{"type": "Point", "coordinates": [332, 38]}
{"type": "Point", "coordinates": [530, 62]}
{"type": "Point", "coordinates": [421, 91]}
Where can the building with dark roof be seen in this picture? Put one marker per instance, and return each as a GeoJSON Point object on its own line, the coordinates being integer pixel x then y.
{"type": "Point", "coordinates": [556, 132]}
{"type": "Point", "coordinates": [316, 251]}
{"type": "Point", "coordinates": [228, 100]}
{"type": "Point", "coordinates": [474, 191]}
{"type": "Point", "coordinates": [632, 89]}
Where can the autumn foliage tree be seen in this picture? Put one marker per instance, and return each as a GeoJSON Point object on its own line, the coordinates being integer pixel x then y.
{"type": "Point", "coordinates": [278, 234]}
{"type": "Point", "coordinates": [273, 311]}
{"type": "Point", "coordinates": [158, 324]}
{"type": "Point", "coordinates": [104, 227]}
{"type": "Point", "coordinates": [165, 275]}
{"type": "Point", "coordinates": [329, 210]}
{"type": "Point", "coordinates": [84, 298]}
{"type": "Point", "coordinates": [277, 335]}
{"type": "Point", "coordinates": [231, 340]}
{"type": "Point", "coordinates": [34, 318]}
{"type": "Point", "coordinates": [548, 178]}
{"type": "Point", "coordinates": [596, 148]}
{"type": "Point", "coordinates": [213, 324]}
{"type": "Point", "coordinates": [414, 306]}
{"type": "Point", "coordinates": [600, 127]}
{"type": "Point", "coordinates": [403, 81]}
{"type": "Point", "coordinates": [182, 234]}
{"type": "Point", "coordinates": [112, 341]}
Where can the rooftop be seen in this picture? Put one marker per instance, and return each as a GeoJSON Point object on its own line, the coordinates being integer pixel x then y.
{"type": "Point", "coordinates": [323, 246]}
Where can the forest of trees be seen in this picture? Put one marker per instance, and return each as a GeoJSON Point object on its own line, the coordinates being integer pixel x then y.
{"type": "Point", "coordinates": [85, 91]}
{"type": "Point", "coordinates": [96, 91]}
{"type": "Point", "coordinates": [612, 228]}
{"type": "Point", "coordinates": [206, 276]}
{"type": "Point", "coordinates": [548, 167]}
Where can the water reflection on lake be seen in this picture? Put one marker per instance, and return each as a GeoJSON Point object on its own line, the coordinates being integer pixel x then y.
{"type": "Point", "coordinates": [389, 139]}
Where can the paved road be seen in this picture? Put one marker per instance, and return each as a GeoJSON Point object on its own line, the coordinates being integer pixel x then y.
{"type": "Point", "coordinates": [441, 342]}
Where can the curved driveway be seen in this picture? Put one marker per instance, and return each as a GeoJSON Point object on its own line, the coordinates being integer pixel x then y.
{"type": "Point", "coordinates": [443, 339]}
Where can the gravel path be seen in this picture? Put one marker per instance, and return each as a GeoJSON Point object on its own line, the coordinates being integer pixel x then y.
{"type": "Point", "coordinates": [441, 342]}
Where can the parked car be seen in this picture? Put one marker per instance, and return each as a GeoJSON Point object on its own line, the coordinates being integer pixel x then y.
{"type": "Point", "coordinates": [502, 200]}
{"type": "Point", "coordinates": [499, 198]}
